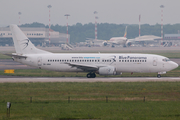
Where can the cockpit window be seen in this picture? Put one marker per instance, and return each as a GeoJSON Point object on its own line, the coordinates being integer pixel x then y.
{"type": "Point", "coordinates": [166, 59]}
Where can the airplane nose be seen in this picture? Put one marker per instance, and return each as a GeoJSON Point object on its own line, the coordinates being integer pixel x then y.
{"type": "Point", "coordinates": [174, 65]}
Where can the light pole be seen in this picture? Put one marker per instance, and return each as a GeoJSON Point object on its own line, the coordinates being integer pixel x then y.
{"type": "Point", "coordinates": [19, 13]}
{"type": "Point", "coordinates": [67, 26]}
{"type": "Point", "coordinates": [49, 6]}
{"type": "Point", "coordinates": [162, 6]}
{"type": "Point", "coordinates": [95, 13]}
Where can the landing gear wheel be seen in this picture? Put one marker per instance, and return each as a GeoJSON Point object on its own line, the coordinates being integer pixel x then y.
{"type": "Point", "coordinates": [88, 75]}
{"type": "Point", "coordinates": [158, 75]}
{"type": "Point", "coordinates": [91, 75]}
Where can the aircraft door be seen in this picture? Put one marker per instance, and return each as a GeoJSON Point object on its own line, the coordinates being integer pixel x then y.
{"type": "Point", "coordinates": [154, 61]}
{"type": "Point", "coordinates": [39, 61]}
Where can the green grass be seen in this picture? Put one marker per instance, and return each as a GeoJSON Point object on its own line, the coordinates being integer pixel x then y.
{"type": "Point", "coordinates": [4, 56]}
{"type": "Point", "coordinates": [46, 73]}
{"type": "Point", "coordinates": [88, 100]}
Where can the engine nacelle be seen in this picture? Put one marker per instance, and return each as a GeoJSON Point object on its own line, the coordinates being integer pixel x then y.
{"type": "Point", "coordinates": [110, 70]}
{"type": "Point", "coordinates": [105, 43]}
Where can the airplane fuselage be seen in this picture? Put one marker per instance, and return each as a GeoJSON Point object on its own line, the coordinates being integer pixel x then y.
{"type": "Point", "coordinates": [143, 63]}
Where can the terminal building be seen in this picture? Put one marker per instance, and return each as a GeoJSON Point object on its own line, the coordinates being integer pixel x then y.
{"type": "Point", "coordinates": [38, 36]}
{"type": "Point", "coordinates": [172, 39]}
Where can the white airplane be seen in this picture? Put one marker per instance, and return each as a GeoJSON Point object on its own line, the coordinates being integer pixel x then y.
{"type": "Point", "coordinates": [117, 40]}
{"type": "Point", "coordinates": [103, 64]}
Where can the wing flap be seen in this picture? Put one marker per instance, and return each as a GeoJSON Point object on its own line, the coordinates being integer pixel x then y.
{"type": "Point", "coordinates": [84, 67]}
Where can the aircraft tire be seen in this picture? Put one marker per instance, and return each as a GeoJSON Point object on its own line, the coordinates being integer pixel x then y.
{"type": "Point", "coordinates": [91, 75]}
{"type": "Point", "coordinates": [158, 75]}
{"type": "Point", "coordinates": [88, 75]}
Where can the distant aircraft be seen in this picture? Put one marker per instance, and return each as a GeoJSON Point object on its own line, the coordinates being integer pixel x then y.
{"type": "Point", "coordinates": [117, 40]}
{"type": "Point", "coordinates": [103, 64]}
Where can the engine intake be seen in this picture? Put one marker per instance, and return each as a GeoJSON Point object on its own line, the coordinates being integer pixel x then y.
{"type": "Point", "coordinates": [110, 70]}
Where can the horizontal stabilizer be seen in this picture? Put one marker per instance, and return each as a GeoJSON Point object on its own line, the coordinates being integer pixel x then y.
{"type": "Point", "coordinates": [14, 55]}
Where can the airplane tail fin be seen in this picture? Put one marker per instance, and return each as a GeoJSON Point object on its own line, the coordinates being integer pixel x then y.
{"type": "Point", "coordinates": [125, 34]}
{"type": "Point", "coordinates": [22, 44]}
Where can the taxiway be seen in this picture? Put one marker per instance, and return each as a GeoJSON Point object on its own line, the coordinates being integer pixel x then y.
{"type": "Point", "coordinates": [81, 79]}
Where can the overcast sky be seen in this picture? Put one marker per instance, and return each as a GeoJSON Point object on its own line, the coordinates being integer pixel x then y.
{"type": "Point", "coordinates": [82, 11]}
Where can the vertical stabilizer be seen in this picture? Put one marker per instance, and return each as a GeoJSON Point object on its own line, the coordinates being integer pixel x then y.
{"type": "Point", "coordinates": [125, 34]}
{"type": "Point", "coordinates": [139, 25]}
{"type": "Point", "coordinates": [22, 44]}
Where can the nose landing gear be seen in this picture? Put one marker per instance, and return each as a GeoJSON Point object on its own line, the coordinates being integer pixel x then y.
{"type": "Point", "coordinates": [91, 75]}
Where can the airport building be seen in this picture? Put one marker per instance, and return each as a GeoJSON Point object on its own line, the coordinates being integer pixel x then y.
{"type": "Point", "coordinates": [38, 36]}
{"type": "Point", "coordinates": [172, 39]}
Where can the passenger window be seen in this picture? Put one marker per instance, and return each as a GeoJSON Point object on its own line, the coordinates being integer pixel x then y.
{"type": "Point", "coordinates": [95, 60]}
{"type": "Point", "coordinates": [82, 60]}
{"type": "Point", "coordinates": [77, 60]}
{"type": "Point", "coordinates": [119, 60]}
{"type": "Point", "coordinates": [92, 60]}
{"type": "Point", "coordinates": [98, 60]}
{"type": "Point", "coordinates": [89, 60]}
{"type": "Point", "coordinates": [122, 60]}
{"type": "Point", "coordinates": [127, 60]}
{"type": "Point", "coordinates": [72, 60]}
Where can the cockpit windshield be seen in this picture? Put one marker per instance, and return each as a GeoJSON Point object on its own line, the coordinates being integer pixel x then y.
{"type": "Point", "coordinates": [166, 59]}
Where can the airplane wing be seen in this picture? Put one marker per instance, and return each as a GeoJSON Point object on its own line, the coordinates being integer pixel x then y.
{"type": "Point", "coordinates": [84, 67]}
{"type": "Point", "coordinates": [14, 55]}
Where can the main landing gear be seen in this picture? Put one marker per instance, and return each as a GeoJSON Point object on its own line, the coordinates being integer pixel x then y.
{"type": "Point", "coordinates": [158, 75]}
{"type": "Point", "coordinates": [91, 75]}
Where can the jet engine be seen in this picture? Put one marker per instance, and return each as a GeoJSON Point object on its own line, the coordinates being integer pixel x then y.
{"type": "Point", "coordinates": [105, 44]}
{"type": "Point", "coordinates": [109, 70]}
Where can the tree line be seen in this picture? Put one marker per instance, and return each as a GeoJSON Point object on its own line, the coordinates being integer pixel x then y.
{"type": "Point", "coordinates": [80, 32]}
